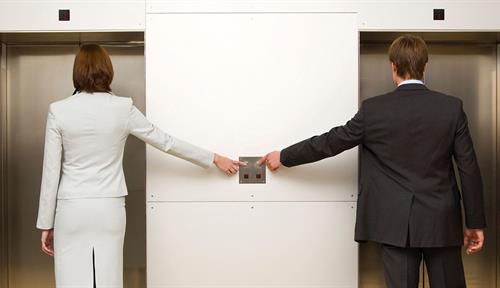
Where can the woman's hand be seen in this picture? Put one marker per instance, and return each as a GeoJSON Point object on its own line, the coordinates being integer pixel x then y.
{"type": "Point", "coordinates": [226, 165]}
{"type": "Point", "coordinates": [48, 242]}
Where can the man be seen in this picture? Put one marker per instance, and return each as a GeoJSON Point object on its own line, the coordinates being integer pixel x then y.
{"type": "Point", "coordinates": [409, 199]}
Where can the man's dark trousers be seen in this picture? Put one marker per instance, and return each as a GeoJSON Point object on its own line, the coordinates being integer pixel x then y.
{"type": "Point", "coordinates": [402, 266]}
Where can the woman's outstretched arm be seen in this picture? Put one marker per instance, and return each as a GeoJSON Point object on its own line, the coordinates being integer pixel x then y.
{"type": "Point", "coordinates": [140, 127]}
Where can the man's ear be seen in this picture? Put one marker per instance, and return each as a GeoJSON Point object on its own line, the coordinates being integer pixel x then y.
{"type": "Point", "coordinates": [393, 68]}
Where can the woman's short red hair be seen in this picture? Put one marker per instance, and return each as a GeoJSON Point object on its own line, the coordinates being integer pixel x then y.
{"type": "Point", "coordinates": [92, 70]}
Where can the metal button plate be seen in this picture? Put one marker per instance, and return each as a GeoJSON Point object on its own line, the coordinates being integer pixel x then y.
{"type": "Point", "coordinates": [252, 173]}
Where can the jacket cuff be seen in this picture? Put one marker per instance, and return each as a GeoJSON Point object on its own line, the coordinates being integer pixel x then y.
{"type": "Point", "coordinates": [475, 222]}
{"type": "Point", "coordinates": [44, 226]}
{"type": "Point", "coordinates": [285, 158]}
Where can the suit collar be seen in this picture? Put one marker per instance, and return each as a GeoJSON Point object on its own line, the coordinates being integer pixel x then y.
{"type": "Point", "coordinates": [411, 87]}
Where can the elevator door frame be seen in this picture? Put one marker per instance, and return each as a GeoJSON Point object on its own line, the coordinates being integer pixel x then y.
{"type": "Point", "coordinates": [113, 40]}
{"type": "Point", "coordinates": [498, 165]}
{"type": "Point", "coordinates": [491, 39]}
{"type": "Point", "coordinates": [4, 269]}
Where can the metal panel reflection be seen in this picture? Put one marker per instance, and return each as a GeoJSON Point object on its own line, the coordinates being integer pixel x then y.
{"type": "Point", "coordinates": [3, 195]}
{"type": "Point", "coordinates": [467, 71]}
{"type": "Point", "coordinates": [38, 75]}
{"type": "Point", "coordinates": [497, 232]}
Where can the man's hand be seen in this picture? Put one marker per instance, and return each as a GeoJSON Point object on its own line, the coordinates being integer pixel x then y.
{"type": "Point", "coordinates": [48, 242]}
{"type": "Point", "coordinates": [226, 165]}
{"type": "Point", "coordinates": [473, 240]}
{"type": "Point", "coordinates": [272, 160]}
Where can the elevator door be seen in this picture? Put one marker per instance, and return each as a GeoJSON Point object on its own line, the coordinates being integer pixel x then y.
{"type": "Point", "coordinates": [467, 71]}
{"type": "Point", "coordinates": [36, 76]}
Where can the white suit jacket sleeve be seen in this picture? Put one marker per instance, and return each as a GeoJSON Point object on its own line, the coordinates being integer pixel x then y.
{"type": "Point", "coordinates": [51, 174]}
{"type": "Point", "coordinates": [140, 127]}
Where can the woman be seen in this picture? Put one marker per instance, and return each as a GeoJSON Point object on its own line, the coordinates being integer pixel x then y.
{"type": "Point", "coordinates": [82, 198]}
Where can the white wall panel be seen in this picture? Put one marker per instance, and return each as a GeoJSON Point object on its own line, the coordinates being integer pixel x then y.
{"type": "Point", "coordinates": [373, 15]}
{"type": "Point", "coordinates": [110, 15]}
{"type": "Point", "coordinates": [243, 84]}
{"type": "Point", "coordinates": [128, 15]}
{"type": "Point", "coordinates": [251, 245]}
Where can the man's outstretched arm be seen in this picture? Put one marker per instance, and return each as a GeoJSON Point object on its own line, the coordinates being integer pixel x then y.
{"type": "Point", "coordinates": [329, 144]}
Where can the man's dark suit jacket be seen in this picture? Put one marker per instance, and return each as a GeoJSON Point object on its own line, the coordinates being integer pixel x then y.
{"type": "Point", "coordinates": [408, 193]}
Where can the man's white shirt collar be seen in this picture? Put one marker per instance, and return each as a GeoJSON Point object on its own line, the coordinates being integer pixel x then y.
{"type": "Point", "coordinates": [411, 81]}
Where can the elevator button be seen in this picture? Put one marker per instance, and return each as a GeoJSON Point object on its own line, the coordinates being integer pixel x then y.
{"type": "Point", "coordinates": [252, 173]}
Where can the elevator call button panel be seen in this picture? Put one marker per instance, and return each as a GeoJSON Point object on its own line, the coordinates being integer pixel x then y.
{"type": "Point", "coordinates": [252, 173]}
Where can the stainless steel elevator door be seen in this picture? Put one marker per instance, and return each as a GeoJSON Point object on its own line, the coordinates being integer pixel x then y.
{"type": "Point", "coordinates": [36, 76]}
{"type": "Point", "coordinates": [467, 71]}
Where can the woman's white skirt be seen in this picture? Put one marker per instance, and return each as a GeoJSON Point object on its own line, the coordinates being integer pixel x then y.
{"type": "Point", "coordinates": [88, 242]}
